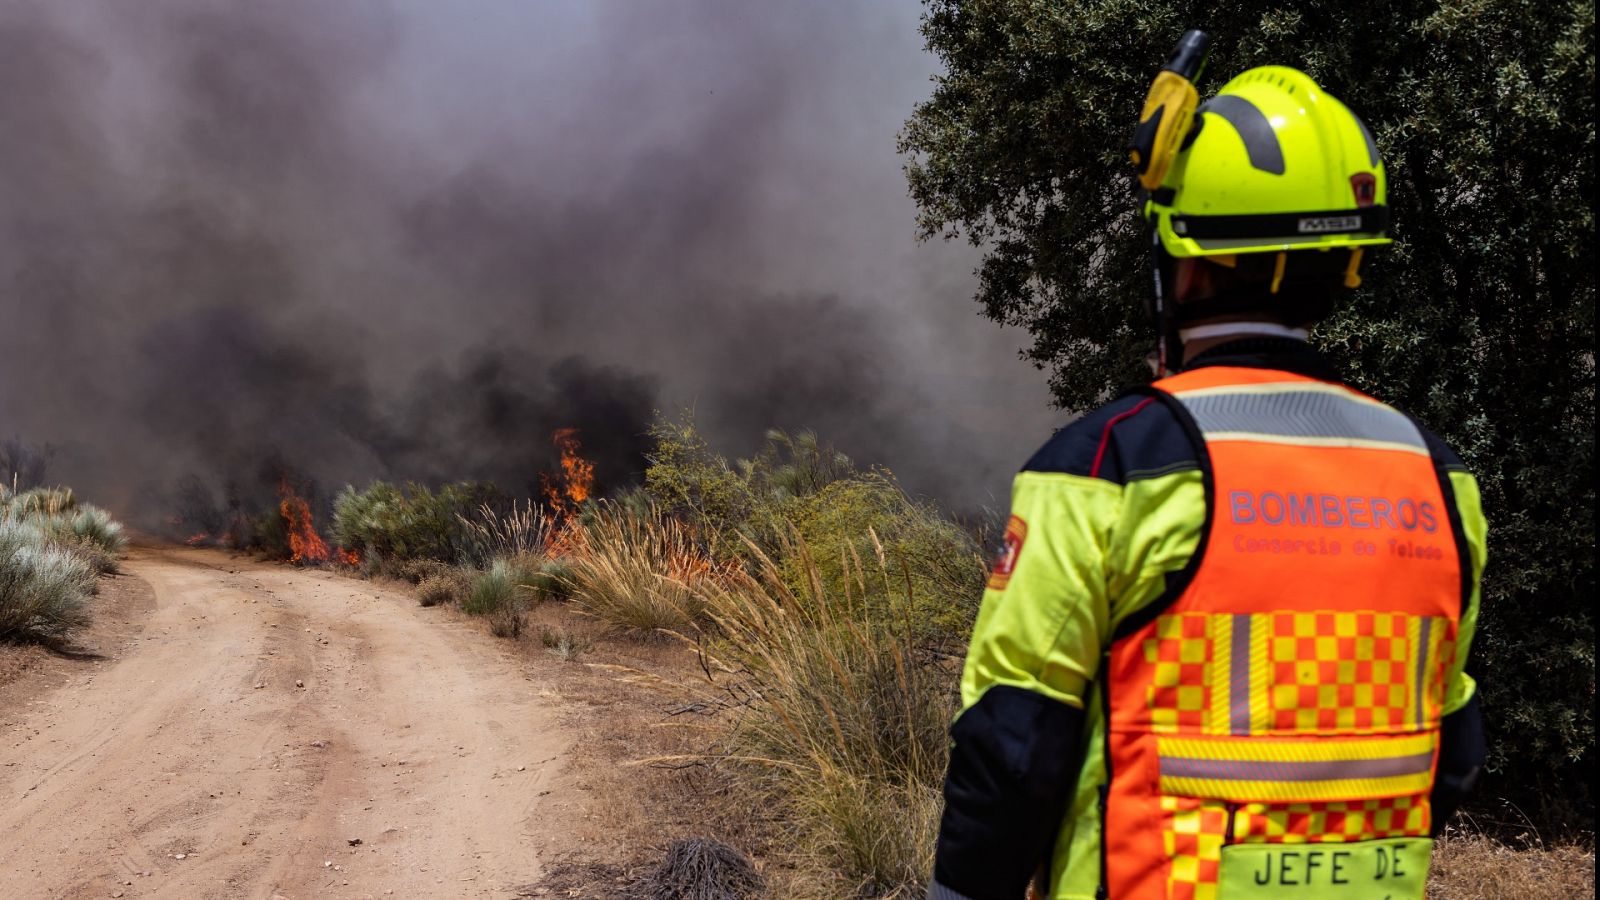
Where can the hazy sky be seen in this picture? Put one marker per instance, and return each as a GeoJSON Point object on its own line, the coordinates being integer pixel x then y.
{"type": "Point", "coordinates": [406, 239]}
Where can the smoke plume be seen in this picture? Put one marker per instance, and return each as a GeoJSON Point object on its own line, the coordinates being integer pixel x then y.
{"type": "Point", "coordinates": [410, 240]}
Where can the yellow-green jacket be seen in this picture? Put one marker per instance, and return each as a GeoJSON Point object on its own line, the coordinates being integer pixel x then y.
{"type": "Point", "coordinates": [1113, 507]}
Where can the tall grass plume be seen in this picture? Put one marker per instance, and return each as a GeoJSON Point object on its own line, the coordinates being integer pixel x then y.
{"type": "Point", "coordinates": [640, 572]}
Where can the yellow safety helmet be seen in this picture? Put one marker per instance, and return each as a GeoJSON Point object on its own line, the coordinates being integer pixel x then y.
{"type": "Point", "coordinates": [1272, 163]}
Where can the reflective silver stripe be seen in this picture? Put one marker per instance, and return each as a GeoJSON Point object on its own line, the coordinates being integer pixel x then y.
{"type": "Point", "coordinates": [1239, 676]}
{"type": "Point", "coordinates": [1313, 414]}
{"type": "Point", "coordinates": [1422, 668]}
{"type": "Point", "coordinates": [940, 892]}
{"type": "Point", "coordinates": [1318, 770]}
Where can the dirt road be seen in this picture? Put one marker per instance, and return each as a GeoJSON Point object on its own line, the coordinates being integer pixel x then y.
{"type": "Point", "coordinates": [273, 732]}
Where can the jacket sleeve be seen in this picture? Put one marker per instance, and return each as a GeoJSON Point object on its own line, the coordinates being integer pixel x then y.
{"type": "Point", "coordinates": [1035, 649]}
{"type": "Point", "coordinates": [1469, 507]}
{"type": "Point", "coordinates": [1462, 746]}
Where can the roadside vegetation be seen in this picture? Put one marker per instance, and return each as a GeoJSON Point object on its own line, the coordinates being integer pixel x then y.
{"type": "Point", "coordinates": [53, 548]}
{"type": "Point", "coordinates": [824, 607]}
{"type": "Point", "coordinates": [818, 615]}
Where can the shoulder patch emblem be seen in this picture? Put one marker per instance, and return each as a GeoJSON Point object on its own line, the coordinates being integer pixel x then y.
{"type": "Point", "coordinates": [1010, 549]}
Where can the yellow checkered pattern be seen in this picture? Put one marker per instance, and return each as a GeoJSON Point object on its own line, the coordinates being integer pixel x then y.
{"type": "Point", "coordinates": [1193, 836]}
{"type": "Point", "coordinates": [1184, 658]}
{"type": "Point", "coordinates": [1321, 672]}
{"type": "Point", "coordinates": [1364, 820]}
{"type": "Point", "coordinates": [1338, 672]}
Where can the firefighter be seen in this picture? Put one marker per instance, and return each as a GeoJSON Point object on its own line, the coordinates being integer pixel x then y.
{"type": "Point", "coordinates": [1220, 655]}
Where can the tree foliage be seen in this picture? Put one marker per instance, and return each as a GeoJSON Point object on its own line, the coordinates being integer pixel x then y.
{"type": "Point", "coordinates": [1480, 320]}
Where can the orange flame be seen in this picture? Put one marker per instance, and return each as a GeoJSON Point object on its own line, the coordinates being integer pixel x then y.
{"type": "Point", "coordinates": [349, 557]}
{"type": "Point", "coordinates": [305, 545]}
{"type": "Point", "coordinates": [575, 485]}
{"type": "Point", "coordinates": [577, 475]}
{"type": "Point", "coordinates": [198, 538]}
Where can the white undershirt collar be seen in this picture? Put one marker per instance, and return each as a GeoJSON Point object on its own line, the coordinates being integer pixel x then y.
{"type": "Point", "coordinates": [1218, 329]}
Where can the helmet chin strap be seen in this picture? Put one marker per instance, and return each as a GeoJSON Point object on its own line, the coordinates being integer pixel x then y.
{"type": "Point", "coordinates": [1168, 341]}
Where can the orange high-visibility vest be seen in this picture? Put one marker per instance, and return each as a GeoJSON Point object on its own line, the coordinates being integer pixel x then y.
{"type": "Point", "coordinates": [1273, 720]}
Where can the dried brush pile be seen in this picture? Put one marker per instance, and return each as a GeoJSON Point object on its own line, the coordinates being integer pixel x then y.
{"type": "Point", "coordinates": [704, 869]}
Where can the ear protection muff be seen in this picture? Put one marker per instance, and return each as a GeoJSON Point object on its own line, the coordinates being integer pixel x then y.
{"type": "Point", "coordinates": [1169, 110]}
{"type": "Point", "coordinates": [1168, 117]}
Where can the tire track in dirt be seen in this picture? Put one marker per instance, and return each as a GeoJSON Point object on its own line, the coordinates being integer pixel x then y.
{"type": "Point", "coordinates": [264, 717]}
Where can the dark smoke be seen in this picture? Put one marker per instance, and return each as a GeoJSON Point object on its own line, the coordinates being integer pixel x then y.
{"type": "Point", "coordinates": [361, 240]}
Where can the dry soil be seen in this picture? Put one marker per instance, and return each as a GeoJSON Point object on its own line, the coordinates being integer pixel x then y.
{"type": "Point", "coordinates": [267, 732]}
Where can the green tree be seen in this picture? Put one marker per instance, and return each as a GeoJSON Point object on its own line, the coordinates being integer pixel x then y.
{"type": "Point", "coordinates": [1480, 320]}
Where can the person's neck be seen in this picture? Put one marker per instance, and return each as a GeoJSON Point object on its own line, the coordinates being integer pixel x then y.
{"type": "Point", "coordinates": [1199, 338]}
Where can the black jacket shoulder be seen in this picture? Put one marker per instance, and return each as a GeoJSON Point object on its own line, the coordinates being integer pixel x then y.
{"type": "Point", "coordinates": [1133, 437]}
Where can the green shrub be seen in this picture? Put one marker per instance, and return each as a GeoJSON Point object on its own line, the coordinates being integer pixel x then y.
{"type": "Point", "coordinates": [268, 534]}
{"type": "Point", "coordinates": [640, 574]}
{"type": "Point", "coordinates": [552, 580]}
{"type": "Point", "coordinates": [57, 518]}
{"type": "Point", "coordinates": [85, 530]}
{"type": "Point", "coordinates": [689, 482]}
{"type": "Point", "coordinates": [871, 543]}
{"type": "Point", "coordinates": [99, 561]}
{"type": "Point", "coordinates": [43, 587]}
{"type": "Point", "coordinates": [492, 590]}
{"type": "Point", "coordinates": [389, 523]}
{"type": "Point", "coordinates": [846, 515]}
{"type": "Point", "coordinates": [93, 525]}
{"type": "Point", "coordinates": [792, 466]}
{"type": "Point", "coordinates": [542, 577]}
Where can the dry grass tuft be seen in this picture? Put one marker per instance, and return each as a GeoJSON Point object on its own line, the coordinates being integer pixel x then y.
{"type": "Point", "coordinates": [507, 621]}
{"type": "Point", "coordinates": [847, 728]}
{"type": "Point", "coordinates": [41, 501]}
{"type": "Point", "coordinates": [522, 531]}
{"type": "Point", "coordinates": [417, 571]}
{"type": "Point", "coordinates": [436, 590]}
{"type": "Point", "coordinates": [1477, 867]}
{"type": "Point", "coordinates": [704, 869]}
{"type": "Point", "coordinates": [564, 643]}
{"type": "Point", "coordinates": [640, 572]}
